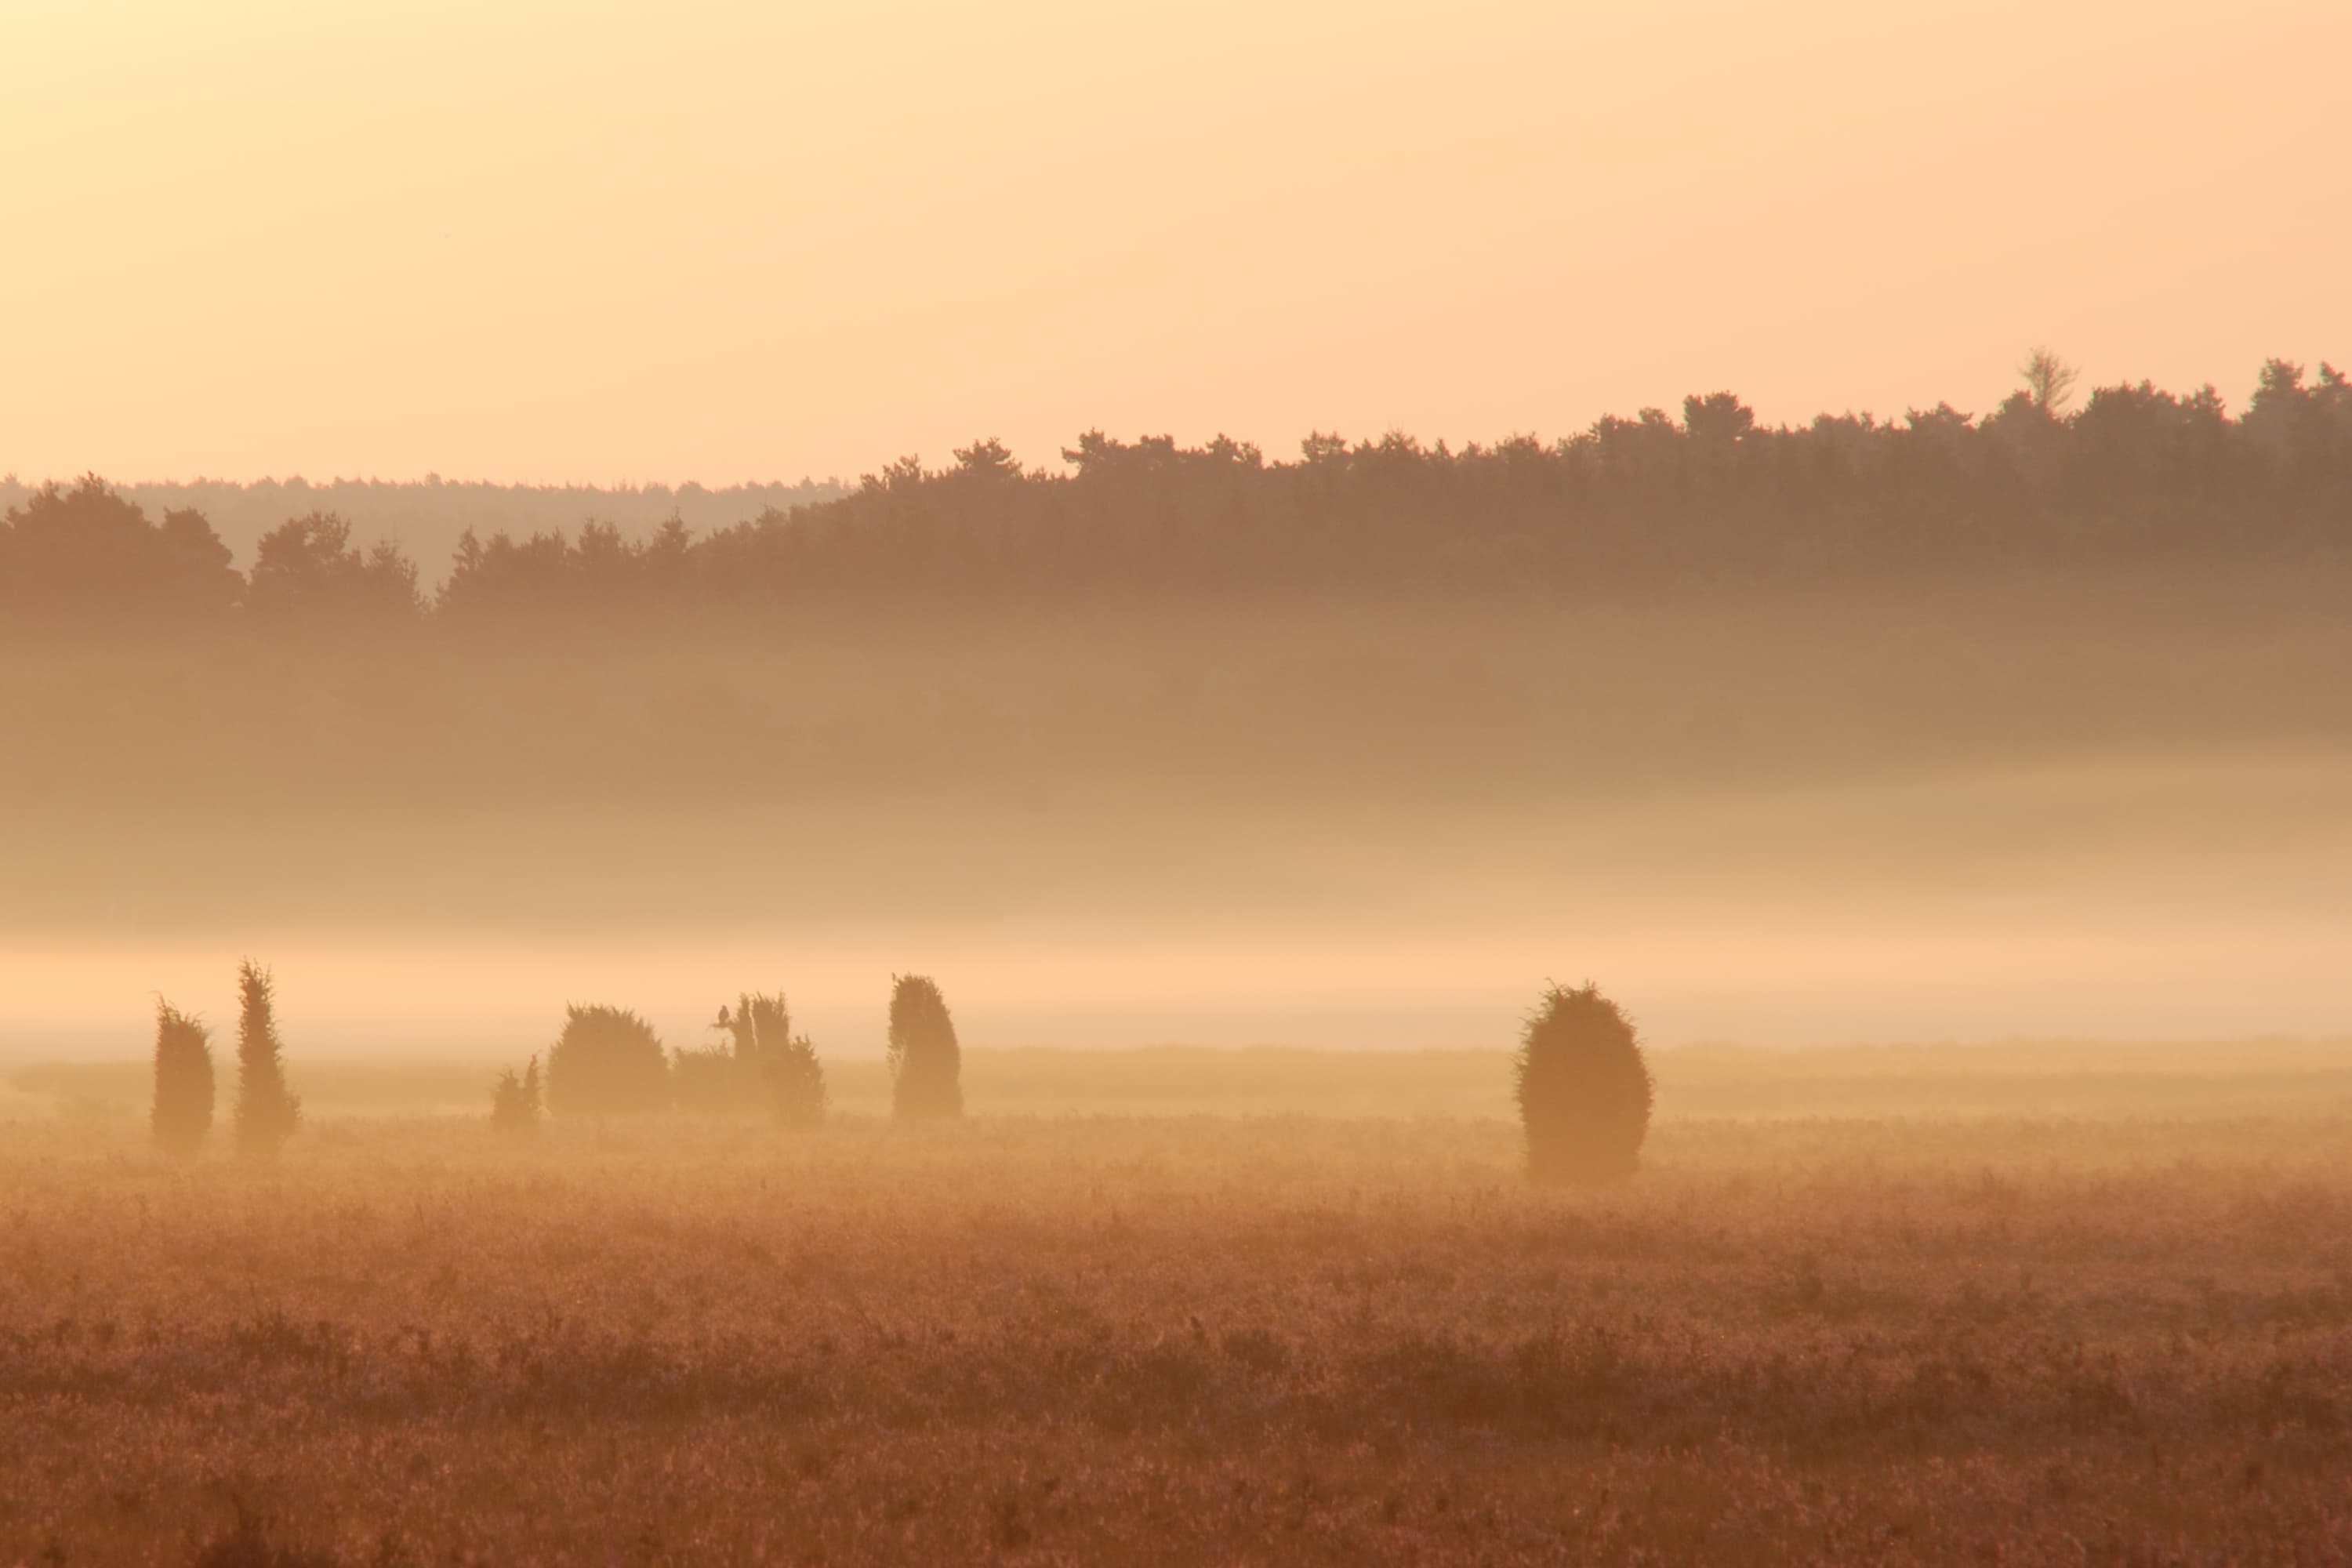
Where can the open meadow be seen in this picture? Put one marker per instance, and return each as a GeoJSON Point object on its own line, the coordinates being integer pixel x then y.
{"type": "Point", "coordinates": [1849, 1327]}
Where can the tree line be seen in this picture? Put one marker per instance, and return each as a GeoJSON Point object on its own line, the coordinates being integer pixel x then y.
{"type": "Point", "coordinates": [2134, 473]}
{"type": "Point", "coordinates": [427, 516]}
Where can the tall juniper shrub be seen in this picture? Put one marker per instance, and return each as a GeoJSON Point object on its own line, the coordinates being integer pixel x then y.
{"type": "Point", "coordinates": [926, 1063]}
{"type": "Point", "coordinates": [777, 1069]}
{"type": "Point", "coordinates": [745, 1025]}
{"type": "Point", "coordinates": [1584, 1090]}
{"type": "Point", "coordinates": [267, 1110]}
{"type": "Point", "coordinates": [183, 1114]}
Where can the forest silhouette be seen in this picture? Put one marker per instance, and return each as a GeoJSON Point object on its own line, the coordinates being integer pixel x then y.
{"type": "Point", "coordinates": [2136, 474]}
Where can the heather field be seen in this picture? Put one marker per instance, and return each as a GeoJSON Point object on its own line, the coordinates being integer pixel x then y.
{"type": "Point", "coordinates": [1263, 786]}
{"type": "Point", "coordinates": [2123, 1333]}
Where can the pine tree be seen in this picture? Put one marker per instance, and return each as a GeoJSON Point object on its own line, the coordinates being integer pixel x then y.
{"type": "Point", "coordinates": [182, 1113]}
{"type": "Point", "coordinates": [267, 1110]}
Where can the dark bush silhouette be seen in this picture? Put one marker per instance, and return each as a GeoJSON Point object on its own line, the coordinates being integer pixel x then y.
{"type": "Point", "coordinates": [796, 1083]}
{"type": "Point", "coordinates": [267, 1110]}
{"type": "Point", "coordinates": [926, 1064]}
{"type": "Point", "coordinates": [515, 1101]}
{"type": "Point", "coordinates": [183, 1114]}
{"type": "Point", "coordinates": [1584, 1090]}
{"type": "Point", "coordinates": [775, 1066]}
{"type": "Point", "coordinates": [607, 1062]}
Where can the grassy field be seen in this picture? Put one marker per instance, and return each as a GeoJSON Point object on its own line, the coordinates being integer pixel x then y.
{"type": "Point", "coordinates": [2122, 1334]}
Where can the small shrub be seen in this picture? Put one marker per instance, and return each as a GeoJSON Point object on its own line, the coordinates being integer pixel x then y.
{"type": "Point", "coordinates": [515, 1101]}
{"type": "Point", "coordinates": [1583, 1088]}
{"type": "Point", "coordinates": [926, 1063]}
{"type": "Point", "coordinates": [267, 1112]}
{"type": "Point", "coordinates": [704, 1080]}
{"type": "Point", "coordinates": [183, 1115]}
{"type": "Point", "coordinates": [607, 1062]}
{"type": "Point", "coordinates": [796, 1083]}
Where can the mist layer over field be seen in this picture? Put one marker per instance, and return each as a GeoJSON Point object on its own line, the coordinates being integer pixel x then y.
{"type": "Point", "coordinates": [1184, 1304]}
{"type": "Point", "coordinates": [2098, 803]}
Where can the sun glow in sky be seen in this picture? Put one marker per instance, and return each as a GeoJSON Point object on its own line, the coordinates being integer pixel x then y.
{"type": "Point", "coordinates": [523, 240]}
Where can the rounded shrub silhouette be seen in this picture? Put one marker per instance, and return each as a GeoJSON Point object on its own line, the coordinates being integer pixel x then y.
{"type": "Point", "coordinates": [607, 1062]}
{"type": "Point", "coordinates": [926, 1063]}
{"type": "Point", "coordinates": [1584, 1090]}
{"type": "Point", "coordinates": [796, 1083]}
{"type": "Point", "coordinates": [703, 1080]}
{"type": "Point", "coordinates": [183, 1082]}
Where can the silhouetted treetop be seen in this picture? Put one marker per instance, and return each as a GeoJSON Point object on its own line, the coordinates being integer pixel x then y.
{"type": "Point", "coordinates": [2134, 474]}
{"type": "Point", "coordinates": [597, 570]}
{"type": "Point", "coordinates": [85, 553]}
{"type": "Point", "coordinates": [308, 566]}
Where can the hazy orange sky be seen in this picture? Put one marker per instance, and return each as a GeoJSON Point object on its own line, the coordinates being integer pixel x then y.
{"type": "Point", "coordinates": [707, 240]}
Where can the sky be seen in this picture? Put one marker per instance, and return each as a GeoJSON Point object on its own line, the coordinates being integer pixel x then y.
{"type": "Point", "coordinates": [582, 241]}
